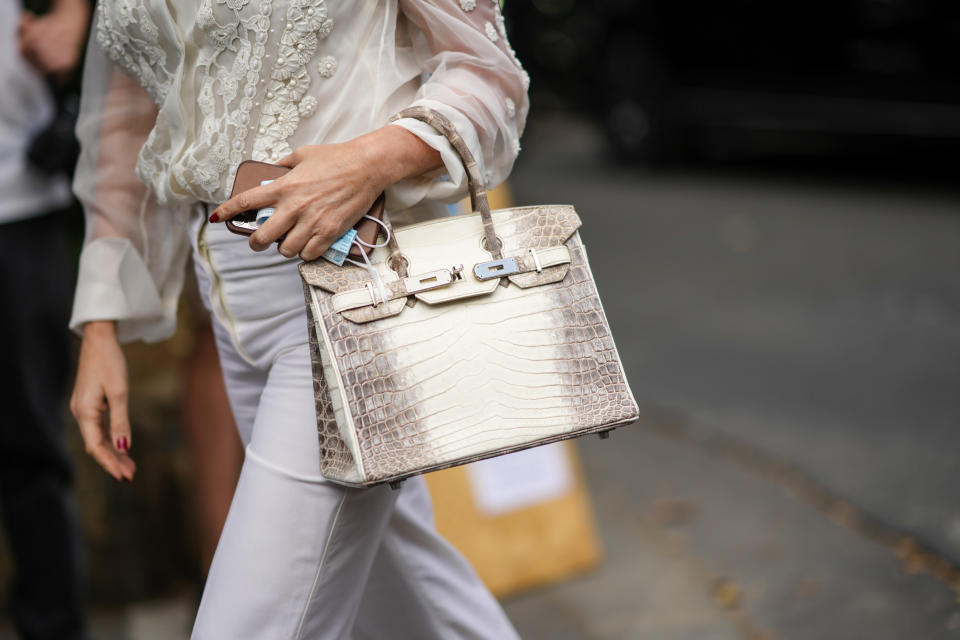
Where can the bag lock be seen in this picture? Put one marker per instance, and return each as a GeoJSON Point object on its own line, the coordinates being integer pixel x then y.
{"type": "Point", "coordinates": [367, 295]}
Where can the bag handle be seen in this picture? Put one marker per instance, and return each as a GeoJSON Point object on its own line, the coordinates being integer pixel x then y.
{"type": "Point", "coordinates": [478, 192]}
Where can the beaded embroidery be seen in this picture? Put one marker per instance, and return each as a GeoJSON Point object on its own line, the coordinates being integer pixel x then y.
{"type": "Point", "coordinates": [307, 24]}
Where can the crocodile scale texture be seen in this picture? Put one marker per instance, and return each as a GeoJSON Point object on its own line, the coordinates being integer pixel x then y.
{"type": "Point", "coordinates": [336, 461]}
{"type": "Point", "coordinates": [444, 384]}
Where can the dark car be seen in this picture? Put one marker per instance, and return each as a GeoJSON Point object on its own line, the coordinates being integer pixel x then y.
{"type": "Point", "coordinates": [670, 78]}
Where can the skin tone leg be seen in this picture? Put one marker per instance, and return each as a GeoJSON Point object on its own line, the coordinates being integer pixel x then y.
{"type": "Point", "coordinates": [327, 191]}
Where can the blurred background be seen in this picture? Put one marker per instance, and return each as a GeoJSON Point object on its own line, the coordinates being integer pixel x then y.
{"type": "Point", "coordinates": [769, 200]}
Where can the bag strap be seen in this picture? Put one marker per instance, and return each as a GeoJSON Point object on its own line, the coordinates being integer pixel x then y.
{"type": "Point", "coordinates": [396, 261]}
{"type": "Point", "coordinates": [478, 192]}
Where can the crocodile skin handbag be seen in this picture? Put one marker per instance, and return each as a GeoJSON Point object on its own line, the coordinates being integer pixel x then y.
{"type": "Point", "coordinates": [484, 335]}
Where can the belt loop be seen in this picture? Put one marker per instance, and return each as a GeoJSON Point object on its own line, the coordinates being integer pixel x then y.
{"type": "Point", "coordinates": [536, 260]}
{"type": "Point", "coordinates": [373, 295]}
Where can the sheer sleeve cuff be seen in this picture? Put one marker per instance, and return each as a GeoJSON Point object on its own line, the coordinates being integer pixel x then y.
{"type": "Point", "coordinates": [113, 283]}
{"type": "Point", "coordinates": [448, 184]}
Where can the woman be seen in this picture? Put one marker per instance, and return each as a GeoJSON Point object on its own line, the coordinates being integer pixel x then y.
{"type": "Point", "coordinates": [176, 95]}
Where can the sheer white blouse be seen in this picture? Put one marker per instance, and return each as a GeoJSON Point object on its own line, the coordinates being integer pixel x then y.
{"type": "Point", "coordinates": [176, 93]}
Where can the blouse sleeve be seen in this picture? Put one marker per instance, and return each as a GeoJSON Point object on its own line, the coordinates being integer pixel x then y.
{"type": "Point", "coordinates": [473, 78]}
{"type": "Point", "coordinates": [132, 262]}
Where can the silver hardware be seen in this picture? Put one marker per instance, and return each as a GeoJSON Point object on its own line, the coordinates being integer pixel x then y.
{"type": "Point", "coordinates": [483, 243]}
{"type": "Point", "coordinates": [373, 295]}
{"type": "Point", "coordinates": [457, 271]}
{"type": "Point", "coordinates": [495, 269]}
{"type": "Point", "coordinates": [536, 259]}
{"type": "Point", "coordinates": [428, 281]}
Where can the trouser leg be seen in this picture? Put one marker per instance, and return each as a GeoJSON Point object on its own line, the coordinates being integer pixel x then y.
{"type": "Point", "coordinates": [35, 474]}
{"type": "Point", "coordinates": [293, 559]}
{"type": "Point", "coordinates": [420, 587]}
{"type": "Point", "coordinates": [296, 549]}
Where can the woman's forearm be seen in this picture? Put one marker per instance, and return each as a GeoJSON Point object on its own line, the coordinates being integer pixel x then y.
{"type": "Point", "coordinates": [96, 329]}
{"type": "Point", "coordinates": [394, 153]}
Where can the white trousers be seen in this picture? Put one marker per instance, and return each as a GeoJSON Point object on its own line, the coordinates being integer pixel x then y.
{"type": "Point", "coordinates": [302, 557]}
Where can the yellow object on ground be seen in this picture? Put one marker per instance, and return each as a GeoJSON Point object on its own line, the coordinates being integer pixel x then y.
{"type": "Point", "coordinates": [534, 544]}
{"type": "Point", "coordinates": [523, 520]}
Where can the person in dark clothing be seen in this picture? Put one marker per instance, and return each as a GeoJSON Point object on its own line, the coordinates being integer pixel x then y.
{"type": "Point", "coordinates": [39, 53]}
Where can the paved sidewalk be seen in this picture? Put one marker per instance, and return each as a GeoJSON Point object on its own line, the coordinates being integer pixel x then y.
{"type": "Point", "coordinates": [699, 547]}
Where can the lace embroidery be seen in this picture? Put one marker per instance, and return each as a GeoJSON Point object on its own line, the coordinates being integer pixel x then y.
{"type": "Point", "coordinates": [511, 108]}
{"type": "Point", "coordinates": [327, 66]}
{"type": "Point", "coordinates": [237, 37]}
{"type": "Point", "coordinates": [226, 94]}
{"type": "Point", "coordinates": [308, 105]}
{"type": "Point", "coordinates": [307, 24]}
{"type": "Point", "coordinates": [128, 35]}
{"type": "Point", "coordinates": [236, 74]}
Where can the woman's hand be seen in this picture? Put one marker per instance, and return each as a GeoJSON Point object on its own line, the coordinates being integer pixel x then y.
{"type": "Point", "coordinates": [329, 188]}
{"type": "Point", "coordinates": [54, 42]}
{"type": "Point", "coordinates": [101, 387]}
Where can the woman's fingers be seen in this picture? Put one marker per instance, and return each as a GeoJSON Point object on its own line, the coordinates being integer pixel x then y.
{"type": "Point", "coordinates": [101, 386]}
{"type": "Point", "coordinates": [255, 198]}
{"type": "Point", "coordinates": [292, 159]}
{"type": "Point", "coordinates": [272, 230]}
{"type": "Point", "coordinates": [309, 229]}
{"type": "Point", "coordinates": [119, 421]}
{"type": "Point", "coordinates": [320, 198]}
{"type": "Point", "coordinates": [89, 415]}
{"type": "Point", "coordinates": [314, 248]}
{"type": "Point", "coordinates": [27, 20]}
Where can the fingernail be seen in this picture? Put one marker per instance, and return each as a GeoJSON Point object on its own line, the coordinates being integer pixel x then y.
{"type": "Point", "coordinates": [123, 444]}
{"type": "Point", "coordinates": [214, 217]}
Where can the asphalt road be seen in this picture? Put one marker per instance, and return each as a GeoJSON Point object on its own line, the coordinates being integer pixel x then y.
{"type": "Point", "coordinates": [794, 339]}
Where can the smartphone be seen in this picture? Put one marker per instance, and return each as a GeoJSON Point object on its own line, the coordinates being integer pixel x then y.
{"type": "Point", "coordinates": [251, 173]}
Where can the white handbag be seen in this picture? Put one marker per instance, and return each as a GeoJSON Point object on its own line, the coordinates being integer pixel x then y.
{"type": "Point", "coordinates": [485, 335]}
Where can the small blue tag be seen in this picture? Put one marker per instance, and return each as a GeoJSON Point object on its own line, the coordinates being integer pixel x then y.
{"type": "Point", "coordinates": [338, 251]}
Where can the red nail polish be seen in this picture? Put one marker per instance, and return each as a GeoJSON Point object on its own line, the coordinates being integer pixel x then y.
{"type": "Point", "coordinates": [122, 443]}
{"type": "Point", "coordinates": [214, 217]}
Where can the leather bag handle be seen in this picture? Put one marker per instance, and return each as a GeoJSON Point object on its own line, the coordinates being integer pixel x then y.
{"type": "Point", "coordinates": [478, 192]}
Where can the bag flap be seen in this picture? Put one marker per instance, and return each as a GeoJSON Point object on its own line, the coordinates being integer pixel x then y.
{"type": "Point", "coordinates": [329, 277]}
{"type": "Point", "coordinates": [445, 244]}
{"type": "Point", "coordinates": [454, 245]}
{"type": "Point", "coordinates": [538, 227]}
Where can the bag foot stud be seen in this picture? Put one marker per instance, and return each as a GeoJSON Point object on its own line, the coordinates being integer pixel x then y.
{"type": "Point", "coordinates": [396, 484]}
{"type": "Point", "coordinates": [604, 434]}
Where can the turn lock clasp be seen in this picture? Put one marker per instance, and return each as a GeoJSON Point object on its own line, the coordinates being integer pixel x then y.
{"type": "Point", "coordinates": [496, 268]}
{"type": "Point", "coordinates": [427, 281]}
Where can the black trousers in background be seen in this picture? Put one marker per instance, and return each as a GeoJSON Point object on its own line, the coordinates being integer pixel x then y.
{"type": "Point", "coordinates": [39, 516]}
